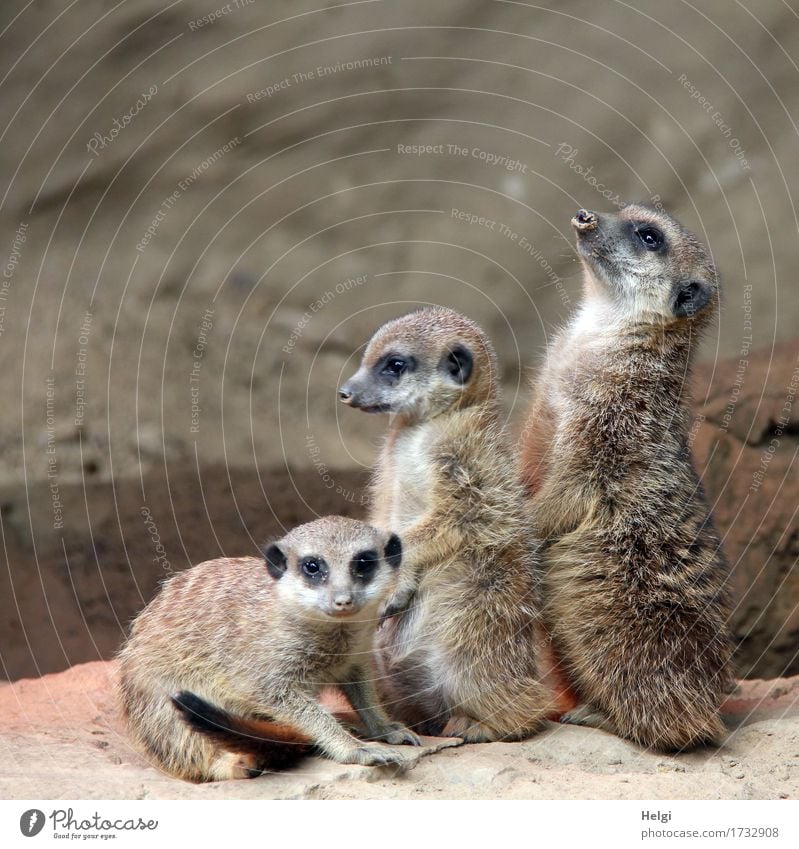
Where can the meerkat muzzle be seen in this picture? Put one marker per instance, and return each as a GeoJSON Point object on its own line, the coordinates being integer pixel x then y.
{"type": "Point", "coordinates": [584, 221]}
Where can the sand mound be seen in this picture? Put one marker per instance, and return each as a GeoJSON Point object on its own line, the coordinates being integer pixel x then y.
{"type": "Point", "coordinates": [62, 739]}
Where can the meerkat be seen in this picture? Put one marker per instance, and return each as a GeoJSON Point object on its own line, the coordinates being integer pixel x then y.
{"type": "Point", "coordinates": [456, 650]}
{"type": "Point", "coordinates": [219, 677]}
{"type": "Point", "coordinates": [634, 580]}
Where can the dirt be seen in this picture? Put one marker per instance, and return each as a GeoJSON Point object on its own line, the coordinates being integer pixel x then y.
{"type": "Point", "coordinates": [62, 738]}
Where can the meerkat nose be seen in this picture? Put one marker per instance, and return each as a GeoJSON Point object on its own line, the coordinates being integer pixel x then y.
{"type": "Point", "coordinates": [343, 601]}
{"type": "Point", "coordinates": [584, 220]}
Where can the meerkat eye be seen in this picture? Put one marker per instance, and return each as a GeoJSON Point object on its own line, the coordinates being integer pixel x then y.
{"type": "Point", "coordinates": [651, 238]}
{"type": "Point", "coordinates": [364, 564]}
{"type": "Point", "coordinates": [395, 366]}
{"type": "Point", "coordinates": [312, 567]}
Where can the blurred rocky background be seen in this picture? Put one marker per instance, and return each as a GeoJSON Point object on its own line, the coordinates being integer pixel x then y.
{"type": "Point", "coordinates": [208, 207]}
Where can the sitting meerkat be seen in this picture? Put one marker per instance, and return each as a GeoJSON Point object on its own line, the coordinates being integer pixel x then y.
{"type": "Point", "coordinates": [219, 677]}
{"type": "Point", "coordinates": [633, 574]}
{"type": "Point", "coordinates": [461, 655]}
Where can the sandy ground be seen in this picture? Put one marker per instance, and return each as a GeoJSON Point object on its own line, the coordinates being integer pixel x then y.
{"type": "Point", "coordinates": [62, 739]}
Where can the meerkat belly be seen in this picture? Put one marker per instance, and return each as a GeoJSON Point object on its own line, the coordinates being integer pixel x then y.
{"type": "Point", "coordinates": [410, 487]}
{"type": "Point", "coordinates": [419, 634]}
{"type": "Point", "coordinates": [412, 658]}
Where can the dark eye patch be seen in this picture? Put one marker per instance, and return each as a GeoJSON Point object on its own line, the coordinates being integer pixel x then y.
{"type": "Point", "coordinates": [314, 569]}
{"type": "Point", "coordinates": [364, 565]}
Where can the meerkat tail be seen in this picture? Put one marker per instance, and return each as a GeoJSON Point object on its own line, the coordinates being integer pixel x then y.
{"type": "Point", "coordinates": [274, 746]}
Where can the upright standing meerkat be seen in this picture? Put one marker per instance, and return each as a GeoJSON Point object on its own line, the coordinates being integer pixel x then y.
{"type": "Point", "coordinates": [220, 674]}
{"type": "Point", "coordinates": [634, 578]}
{"type": "Point", "coordinates": [461, 655]}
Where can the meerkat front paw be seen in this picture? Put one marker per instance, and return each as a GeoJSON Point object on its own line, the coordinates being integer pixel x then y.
{"type": "Point", "coordinates": [398, 603]}
{"type": "Point", "coordinates": [469, 730]}
{"type": "Point", "coordinates": [398, 735]}
{"type": "Point", "coordinates": [372, 756]}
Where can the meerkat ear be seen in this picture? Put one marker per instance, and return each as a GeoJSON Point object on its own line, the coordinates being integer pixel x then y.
{"type": "Point", "coordinates": [458, 363]}
{"type": "Point", "coordinates": [393, 551]}
{"type": "Point", "coordinates": [276, 562]}
{"type": "Point", "coordinates": [690, 297]}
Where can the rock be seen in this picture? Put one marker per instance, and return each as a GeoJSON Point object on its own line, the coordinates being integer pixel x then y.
{"type": "Point", "coordinates": [62, 736]}
{"type": "Point", "coordinates": [745, 441]}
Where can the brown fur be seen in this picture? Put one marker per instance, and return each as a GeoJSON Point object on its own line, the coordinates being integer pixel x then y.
{"type": "Point", "coordinates": [219, 676]}
{"type": "Point", "coordinates": [634, 577]}
{"type": "Point", "coordinates": [459, 653]}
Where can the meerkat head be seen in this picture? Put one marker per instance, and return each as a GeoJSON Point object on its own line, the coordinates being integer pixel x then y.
{"type": "Point", "coordinates": [334, 568]}
{"type": "Point", "coordinates": [423, 364]}
{"type": "Point", "coordinates": [648, 265]}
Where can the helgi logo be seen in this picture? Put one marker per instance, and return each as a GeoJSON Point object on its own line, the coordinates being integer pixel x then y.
{"type": "Point", "coordinates": [31, 822]}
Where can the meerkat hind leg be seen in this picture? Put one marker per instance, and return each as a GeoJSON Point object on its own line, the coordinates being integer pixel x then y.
{"type": "Point", "coordinates": [469, 730]}
{"type": "Point", "coordinates": [589, 717]}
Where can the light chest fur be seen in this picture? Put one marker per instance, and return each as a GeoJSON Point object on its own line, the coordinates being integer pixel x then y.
{"type": "Point", "coordinates": [408, 468]}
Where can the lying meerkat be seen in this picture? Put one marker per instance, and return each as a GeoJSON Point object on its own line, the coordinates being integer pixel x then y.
{"type": "Point", "coordinates": [461, 655]}
{"type": "Point", "coordinates": [220, 674]}
{"type": "Point", "coordinates": [634, 577]}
